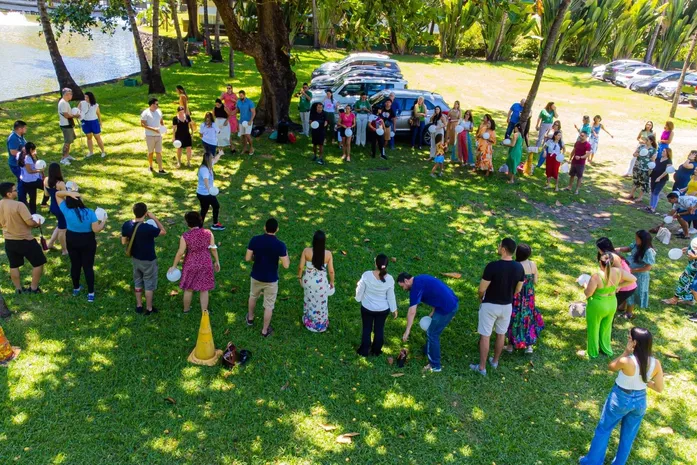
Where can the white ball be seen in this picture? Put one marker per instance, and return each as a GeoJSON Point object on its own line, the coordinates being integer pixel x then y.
{"type": "Point", "coordinates": [668, 219]}
{"type": "Point", "coordinates": [670, 170]}
{"type": "Point", "coordinates": [651, 165]}
{"type": "Point", "coordinates": [379, 131]}
{"type": "Point", "coordinates": [507, 142]}
{"type": "Point", "coordinates": [75, 111]}
{"type": "Point", "coordinates": [151, 222]}
{"type": "Point", "coordinates": [583, 279]}
{"type": "Point", "coordinates": [40, 164]}
{"type": "Point", "coordinates": [486, 136]}
{"type": "Point", "coordinates": [163, 130]}
{"type": "Point", "coordinates": [213, 190]}
{"type": "Point", "coordinates": [174, 275]}
{"type": "Point", "coordinates": [348, 132]}
{"type": "Point", "coordinates": [432, 128]}
{"type": "Point", "coordinates": [643, 152]}
{"type": "Point", "coordinates": [38, 218]}
{"type": "Point", "coordinates": [314, 125]}
{"type": "Point", "coordinates": [560, 157]}
{"type": "Point", "coordinates": [100, 213]}
{"type": "Point", "coordinates": [674, 254]}
{"type": "Point", "coordinates": [564, 168]}
{"type": "Point", "coordinates": [425, 322]}
{"type": "Point", "coordinates": [72, 186]}
{"type": "Point", "coordinates": [459, 128]}
{"type": "Point", "coordinates": [177, 144]}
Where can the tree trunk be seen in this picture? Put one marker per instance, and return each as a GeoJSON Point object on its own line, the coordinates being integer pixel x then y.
{"type": "Point", "coordinates": [217, 29]}
{"type": "Point", "coordinates": [4, 311]}
{"type": "Point", "coordinates": [231, 60]}
{"type": "Point", "coordinates": [270, 48]}
{"type": "Point", "coordinates": [192, 12]}
{"type": "Point", "coordinates": [315, 26]}
{"type": "Point", "coordinates": [206, 31]}
{"type": "Point", "coordinates": [552, 37]}
{"type": "Point", "coordinates": [183, 59]}
{"type": "Point", "coordinates": [156, 84]}
{"type": "Point", "coordinates": [140, 51]}
{"type": "Point", "coordinates": [654, 37]}
{"type": "Point", "coordinates": [496, 51]}
{"type": "Point", "coordinates": [62, 73]}
{"type": "Point", "coordinates": [681, 81]}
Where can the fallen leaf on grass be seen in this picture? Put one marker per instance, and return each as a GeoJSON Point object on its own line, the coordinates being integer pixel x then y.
{"type": "Point", "coordinates": [461, 231]}
{"type": "Point", "coordinates": [417, 258]}
{"type": "Point", "coordinates": [266, 156]}
{"type": "Point", "coordinates": [285, 297]}
{"type": "Point", "coordinates": [393, 259]}
{"type": "Point", "coordinates": [343, 252]}
{"type": "Point", "coordinates": [243, 207]}
{"type": "Point", "coordinates": [345, 438]}
{"type": "Point", "coordinates": [233, 289]}
{"type": "Point", "coordinates": [452, 275]}
{"type": "Point", "coordinates": [665, 430]}
{"type": "Point", "coordinates": [390, 360]}
{"type": "Point", "coordinates": [366, 240]}
{"type": "Point", "coordinates": [285, 386]}
{"type": "Point", "coordinates": [327, 427]}
{"type": "Point", "coordinates": [170, 400]}
{"type": "Point", "coordinates": [397, 375]}
{"type": "Point", "coordinates": [672, 355]}
{"type": "Point", "coordinates": [226, 332]}
{"type": "Point", "coordinates": [174, 292]}
{"type": "Point", "coordinates": [558, 204]}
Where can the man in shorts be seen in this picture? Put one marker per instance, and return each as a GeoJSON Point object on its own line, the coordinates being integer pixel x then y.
{"type": "Point", "coordinates": [247, 112]}
{"type": "Point", "coordinates": [265, 251]}
{"type": "Point", "coordinates": [67, 124]}
{"type": "Point", "coordinates": [582, 150]}
{"type": "Point", "coordinates": [139, 236]}
{"type": "Point", "coordinates": [17, 223]}
{"type": "Point", "coordinates": [501, 280]}
{"type": "Point", "coordinates": [151, 120]}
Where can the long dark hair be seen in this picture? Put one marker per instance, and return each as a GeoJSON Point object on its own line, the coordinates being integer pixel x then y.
{"type": "Point", "coordinates": [319, 242]}
{"type": "Point", "coordinates": [207, 161]}
{"type": "Point", "coordinates": [76, 204]}
{"type": "Point", "coordinates": [91, 98]}
{"type": "Point", "coordinates": [26, 150]}
{"type": "Point", "coordinates": [381, 266]}
{"type": "Point", "coordinates": [439, 114]}
{"type": "Point", "coordinates": [313, 110]}
{"type": "Point", "coordinates": [642, 350]}
{"type": "Point", "coordinates": [54, 175]}
{"type": "Point", "coordinates": [522, 252]}
{"type": "Point", "coordinates": [492, 124]}
{"type": "Point", "coordinates": [646, 244]}
{"type": "Point", "coordinates": [652, 140]}
{"type": "Point", "coordinates": [605, 246]}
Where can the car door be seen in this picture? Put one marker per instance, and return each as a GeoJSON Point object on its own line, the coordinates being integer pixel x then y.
{"type": "Point", "coordinates": [405, 104]}
{"type": "Point", "coordinates": [349, 93]}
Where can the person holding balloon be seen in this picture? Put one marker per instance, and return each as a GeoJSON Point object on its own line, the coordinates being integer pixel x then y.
{"type": "Point", "coordinates": [437, 126]}
{"type": "Point", "coordinates": [318, 125]}
{"type": "Point", "coordinates": [151, 120]}
{"type": "Point", "coordinates": [554, 154]}
{"type": "Point", "coordinates": [376, 131]}
{"type": "Point", "coordinates": [53, 183]}
{"type": "Point", "coordinates": [346, 126]}
{"type": "Point", "coordinates": [206, 191]}
{"type": "Point", "coordinates": [182, 127]}
{"type": "Point", "coordinates": [640, 173]}
{"type": "Point", "coordinates": [515, 152]}
{"type": "Point", "coordinates": [31, 175]}
{"type": "Point", "coordinates": [659, 176]}
{"type": "Point", "coordinates": [486, 139]}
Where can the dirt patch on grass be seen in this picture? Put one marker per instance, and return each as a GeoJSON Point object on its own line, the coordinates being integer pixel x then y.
{"type": "Point", "coordinates": [577, 221]}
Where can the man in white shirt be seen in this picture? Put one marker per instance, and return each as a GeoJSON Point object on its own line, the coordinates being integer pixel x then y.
{"type": "Point", "coordinates": [66, 120]}
{"type": "Point", "coordinates": [684, 210]}
{"type": "Point", "coordinates": [151, 120]}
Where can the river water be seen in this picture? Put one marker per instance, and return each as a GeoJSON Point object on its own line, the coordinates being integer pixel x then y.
{"type": "Point", "coordinates": [26, 67]}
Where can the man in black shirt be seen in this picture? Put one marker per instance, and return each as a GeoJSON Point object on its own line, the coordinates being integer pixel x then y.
{"type": "Point", "coordinates": [501, 280]}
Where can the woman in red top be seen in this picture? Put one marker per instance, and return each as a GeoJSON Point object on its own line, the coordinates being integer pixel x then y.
{"type": "Point", "coordinates": [229, 99]}
{"type": "Point", "coordinates": [347, 120]}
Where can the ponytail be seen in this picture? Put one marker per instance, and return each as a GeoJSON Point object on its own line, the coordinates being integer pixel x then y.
{"type": "Point", "coordinates": [381, 266]}
{"type": "Point", "coordinates": [606, 261]}
{"type": "Point", "coordinates": [642, 350]}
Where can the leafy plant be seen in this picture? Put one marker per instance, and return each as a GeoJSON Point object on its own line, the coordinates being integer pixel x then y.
{"type": "Point", "coordinates": [678, 24]}
{"type": "Point", "coordinates": [632, 26]}
{"type": "Point", "coordinates": [602, 17]}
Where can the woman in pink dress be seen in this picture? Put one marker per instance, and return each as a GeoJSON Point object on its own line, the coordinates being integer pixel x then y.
{"type": "Point", "coordinates": [229, 99]}
{"type": "Point", "coordinates": [197, 273]}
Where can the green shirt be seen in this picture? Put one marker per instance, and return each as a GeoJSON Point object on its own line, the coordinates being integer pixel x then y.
{"type": "Point", "coordinates": [304, 104]}
{"type": "Point", "coordinates": [547, 117]}
{"type": "Point", "coordinates": [420, 109]}
{"type": "Point", "coordinates": [362, 104]}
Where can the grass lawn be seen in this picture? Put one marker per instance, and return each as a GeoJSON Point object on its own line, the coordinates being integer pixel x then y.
{"type": "Point", "coordinates": [90, 384]}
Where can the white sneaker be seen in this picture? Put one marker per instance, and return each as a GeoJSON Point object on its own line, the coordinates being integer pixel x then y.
{"type": "Point", "coordinates": [89, 155]}
{"type": "Point", "coordinates": [103, 154]}
{"type": "Point", "coordinates": [692, 231]}
{"type": "Point", "coordinates": [65, 161]}
{"type": "Point", "coordinates": [70, 157]}
{"type": "Point", "coordinates": [529, 350]}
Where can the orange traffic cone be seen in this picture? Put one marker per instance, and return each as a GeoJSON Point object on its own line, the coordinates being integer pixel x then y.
{"type": "Point", "coordinates": [205, 353]}
{"type": "Point", "coordinates": [7, 352]}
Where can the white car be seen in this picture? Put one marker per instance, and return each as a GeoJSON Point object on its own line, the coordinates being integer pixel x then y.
{"type": "Point", "coordinates": [598, 71]}
{"type": "Point", "coordinates": [625, 77]}
{"type": "Point", "coordinates": [349, 90]}
{"type": "Point", "coordinates": [666, 89]}
{"type": "Point", "coordinates": [369, 59]}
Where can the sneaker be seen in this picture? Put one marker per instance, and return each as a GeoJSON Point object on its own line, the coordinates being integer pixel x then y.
{"type": "Point", "coordinates": [218, 227]}
{"type": "Point", "coordinates": [70, 157]}
{"type": "Point", "coordinates": [139, 309]}
{"type": "Point", "coordinates": [65, 161]}
{"type": "Point", "coordinates": [440, 174]}
{"type": "Point", "coordinates": [475, 367]}
{"type": "Point", "coordinates": [103, 154]}
{"type": "Point", "coordinates": [383, 156]}
{"type": "Point", "coordinates": [436, 370]}
{"type": "Point", "coordinates": [249, 322]}
{"type": "Point", "coordinates": [529, 350]}
{"type": "Point", "coordinates": [162, 172]}
{"type": "Point", "coordinates": [89, 155]}
{"type": "Point", "coordinates": [493, 365]}
{"type": "Point", "coordinates": [90, 297]}
{"type": "Point", "coordinates": [269, 332]}
{"type": "Point", "coordinates": [76, 292]}
{"type": "Point", "coordinates": [151, 311]}
{"type": "Point", "coordinates": [320, 162]}
{"type": "Point", "coordinates": [151, 170]}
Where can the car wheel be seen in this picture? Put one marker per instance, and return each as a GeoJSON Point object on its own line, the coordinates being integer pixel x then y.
{"type": "Point", "coordinates": [652, 92]}
{"type": "Point", "coordinates": [693, 103]}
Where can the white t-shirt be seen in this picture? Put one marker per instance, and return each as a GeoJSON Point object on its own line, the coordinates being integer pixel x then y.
{"type": "Point", "coordinates": [152, 119]}
{"type": "Point", "coordinates": [204, 173]}
{"type": "Point", "coordinates": [553, 148]}
{"type": "Point", "coordinates": [209, 135]}
{"type": "Point", "coordinates": [64, 107]}
{"type": "Point", "coordinates": [88, 112]}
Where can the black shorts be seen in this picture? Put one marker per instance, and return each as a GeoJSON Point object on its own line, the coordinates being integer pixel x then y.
{"type": "Point", "coordinates": [18, 250]}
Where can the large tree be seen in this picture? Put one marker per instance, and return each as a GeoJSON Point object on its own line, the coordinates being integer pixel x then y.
{"type": "Point", "coordinates": [192, 12]}
{"type": "Point", "coordinates": [681, 81]}
{"type": "Point", "coordinates": [183, 59]}
{"type": "Point", "coordinates": [62, 73]}
{"type": "Point", "coordinates": [269, 46]}
{"type": "Point", "coordinates": [156, 85]}
{"type": "Point", "coordinates": [140, 50]}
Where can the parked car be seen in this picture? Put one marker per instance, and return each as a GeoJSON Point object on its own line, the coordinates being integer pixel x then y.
{"type": "Point", "coordinates": [666, 90]}
{"type": "Point", "coordinates": [612, 69]}
{"type": "Point", "coordinates": [348, 90]}
{"type": "Point", "coordinates": [356, 59]}
{"type": "Point", "coordinates": [328, 81]}
{"type": "Point", "coordinates": [598, 71]}
{"type": "Point", "coordinates": [648, 85]}
{"type": "Point", "coordinates": [406, 99]}
{"type": "Point", "coordinates": [626, 75]}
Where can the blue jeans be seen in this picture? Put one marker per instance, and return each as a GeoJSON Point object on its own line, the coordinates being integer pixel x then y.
{"type": "Point", "coordinates": [541, 159]}
{"type": "Point", "coordinates": [209, 148]}
{"type": "Point", "coordinates": [21, 195]}
{"type": "Point", "coordinates": [438, 324]}
{"type": "Point", "coordinates": [656, 189]}
{"type": "Point", "coordinates": [509, 129]}
{"type": "Point", "coordinates": [623, 406]}
{"type": "Point", "coordinates": [417, 133]}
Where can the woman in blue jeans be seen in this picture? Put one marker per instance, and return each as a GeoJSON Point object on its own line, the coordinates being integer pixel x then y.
{"type": "Point", "coordinates": [418, 112]}
{"type": "Point", "coordinates": [636, 370]}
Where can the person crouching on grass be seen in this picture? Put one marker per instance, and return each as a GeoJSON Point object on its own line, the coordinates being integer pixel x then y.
{"type": "Point", "coordinates": [684, 208]}
{"type": "Point", "coordinates": [439, 159]}
{"type": "Point", "coordinates": [581, 151]}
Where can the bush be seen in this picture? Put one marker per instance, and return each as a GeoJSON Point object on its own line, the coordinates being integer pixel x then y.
{"type": "Point", "coordinates": [471, 43]}
{"type": "Point", "coordinates": [527, 48]}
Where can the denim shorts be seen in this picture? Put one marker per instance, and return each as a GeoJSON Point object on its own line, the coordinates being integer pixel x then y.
{"type": "Point", "coordinates": [91, 127]}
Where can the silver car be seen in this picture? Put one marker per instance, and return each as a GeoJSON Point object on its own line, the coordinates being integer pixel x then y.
{"type": "Point", "coordinates": [348, 90]}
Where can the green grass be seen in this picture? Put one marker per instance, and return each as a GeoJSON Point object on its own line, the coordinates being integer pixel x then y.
{"type": "Point", "coordinates": [91, 382]}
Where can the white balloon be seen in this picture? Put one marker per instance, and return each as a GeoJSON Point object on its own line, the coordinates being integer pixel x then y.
{"type": "Point", "coordinates": [174, 275]}
{"type": "Point", "coordinates": [432, 128]}
{"type": "Point", "coordinates": [314, 125]}
{"type": "Point", "coordinates": [40, 164]}
{"type": "Point", "coordinates": [75, 111]}
{"type": "Point", "coordinates": [245, 123]}
{"type": "Point", "coordinates": [348, 132]}
{"type": "Point", "coordinates": [459, 128]}
{"type": "Point", "coordinates": [564, 168]}
{"type": "Point", "coordinates": [643, 152]}
{"type": "Point", "coordinates": [583, 279]}
{"type": "Point", "coordinates": [674, 254]}
{"type": "Point", "coordinates": [38, 218]}
{"type": "Point", "coordinates": [372, 118]}
{"type": "Point", "coordinates": [72, 186]}
{"type": "Point", "coordinates": [651, 165]}
{"type": "Point", "coordinates": [379, 131]}
{"type": "Point", "coordinates": [425, 322]}
{"type": "Point", "coordinates": [151, 222]}
{"type": "Point", "coordinates": [668, 219]}
{"type": "Point", "coordinates": [177, 144]}
{"type": "Point", "coordinates": [670, 170]}
{"type": "Point", "coordinates": [213, 190]}
{"type": "Point", "coordinates": [163, 130]}
{"type": "Point", "coordinates": [486, 136]}
{"type": "Point", "coordinates": [560, 157]}
{"type": "Point", "coordinates": [507, 142]}
{"type": "Point", "coordinates": [100, 213]}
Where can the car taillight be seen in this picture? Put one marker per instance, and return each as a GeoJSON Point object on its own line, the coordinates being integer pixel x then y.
{"type": "Point", "coordinates": [445, 112]}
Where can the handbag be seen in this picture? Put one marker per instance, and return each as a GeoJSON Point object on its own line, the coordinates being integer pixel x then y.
{"type": "Point", "coordinates": [230, 355]}
{"type": "Point", "coordinates": [414, 121]}
{"type": "Point", "coordinates": [130, 242]}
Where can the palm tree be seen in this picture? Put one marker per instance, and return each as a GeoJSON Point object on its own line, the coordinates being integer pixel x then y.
{"type": "Point", "coordinates": [231, 60]}
{"type": "Point", "coordinates": [62, 73]}
{"type": "Point", "coordinates": [206, 32]}
{"type": "Point", "coordinates": [142, 57]}
{"type": "Point", "coordinates": [156, 84]}
{"type": "Point", "coordinates": [681, 81]}
{"type": "Point", "coordinates": [183, 59]}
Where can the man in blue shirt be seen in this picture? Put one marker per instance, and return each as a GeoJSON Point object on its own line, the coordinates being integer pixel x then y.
{"type": "Point", "coordinates": [15, 142]}
{"type": "Point", "coordinates": [397, 112]}
{"type": "Point", "coordinates": [141, 242]}
{"type": "Point", "coordinates": [433, 292]}
{"type": "Point", "coordinates": [513, 117]}
{"type": "Point", "coordinates": [247, 114]}
{"type": "Point", "coordinates": [265, 251]}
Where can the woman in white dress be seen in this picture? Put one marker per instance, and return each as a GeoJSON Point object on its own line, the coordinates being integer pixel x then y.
{"type": "Point", "coordinates": [222, 116]}
{"type": "Point", "coordinates": [439, 121]}
{"type": "Point", "coordinates": [315, 264]}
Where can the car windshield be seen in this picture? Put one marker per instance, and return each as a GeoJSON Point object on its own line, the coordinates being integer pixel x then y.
{"type": "Point", "coordinates": [662, 75]}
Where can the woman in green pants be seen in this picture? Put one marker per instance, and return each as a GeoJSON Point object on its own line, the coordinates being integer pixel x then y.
{"type": "Point", "coordinates": [602, 304]}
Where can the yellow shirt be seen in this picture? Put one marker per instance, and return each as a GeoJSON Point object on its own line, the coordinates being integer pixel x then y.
{"type": "Point", "coordinates": [691, 187]}
{"type": "Point", "coordinates": [14, 216]}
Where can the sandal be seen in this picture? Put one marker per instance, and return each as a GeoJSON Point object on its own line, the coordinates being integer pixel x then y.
{"type": "Point", "coordinates": [269, 332]}
{"type": "Point", "coordinates": [628, 316]}
{"type": "Point", "coordinates": [186, 310]}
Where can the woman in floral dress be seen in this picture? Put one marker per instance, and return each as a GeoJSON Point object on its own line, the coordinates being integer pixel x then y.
{"type": "Point", "coordinates": [315, 264]}
{"type": "Point", "coordinates": [485, 146]}
{"type": "Point", "coordinates": [684, 294]}
{"type": "Point", "coordinates": [640, 173]}
{"type": "Point", "coordinates": [197, 273]}
{"type": "Point", "coordinates": [526, 321]}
